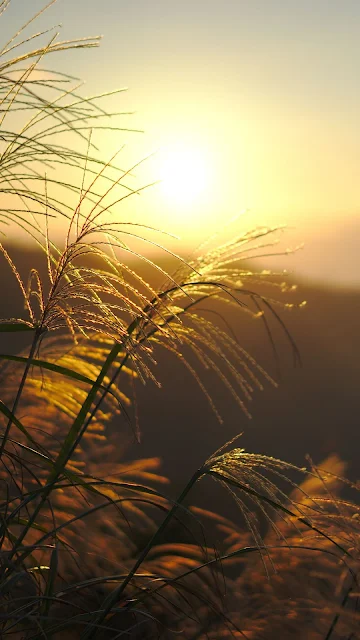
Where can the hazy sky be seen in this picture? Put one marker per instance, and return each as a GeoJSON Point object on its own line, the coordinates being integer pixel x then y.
{"type": "Point", "coordinates": [259, 99]}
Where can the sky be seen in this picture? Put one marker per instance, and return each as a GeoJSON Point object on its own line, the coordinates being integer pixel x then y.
{"type": "Point", "coordinates": [253, 109]}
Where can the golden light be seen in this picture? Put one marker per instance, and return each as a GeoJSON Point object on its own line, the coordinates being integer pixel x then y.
{"type": "Point", "coordinates": [185, 174]}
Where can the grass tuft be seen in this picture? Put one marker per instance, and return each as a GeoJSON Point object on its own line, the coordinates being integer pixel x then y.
{"type": "Point", "coordinates": [91, 546]}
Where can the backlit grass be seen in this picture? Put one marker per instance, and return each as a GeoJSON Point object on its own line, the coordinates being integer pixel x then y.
{"type": "Point", "coordinates": [84, 547]}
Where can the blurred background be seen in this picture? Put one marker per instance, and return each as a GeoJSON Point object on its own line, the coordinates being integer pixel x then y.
{"type": "Point", "coordinates": [249, 106]}
{"type": "Point", "coordinates": [249, 113]}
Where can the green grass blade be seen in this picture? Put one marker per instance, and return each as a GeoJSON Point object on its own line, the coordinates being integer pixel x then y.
{"type": "Point", "coordinates": [55, 368]}
{"type": "Point", "coordinates": [51, 578]}
{"type": "Point", "coordinates": [15, 327]}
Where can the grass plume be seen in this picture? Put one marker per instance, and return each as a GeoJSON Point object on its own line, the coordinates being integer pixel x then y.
{"type": "Point", "coordinates": [85, 550]}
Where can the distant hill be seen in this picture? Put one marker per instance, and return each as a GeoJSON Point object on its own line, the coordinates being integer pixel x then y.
{"type": "Point", "coordinates": [316, 409]}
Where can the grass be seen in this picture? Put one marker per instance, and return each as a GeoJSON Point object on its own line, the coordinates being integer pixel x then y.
{"type": "Point", "coordinates": [85, 545]}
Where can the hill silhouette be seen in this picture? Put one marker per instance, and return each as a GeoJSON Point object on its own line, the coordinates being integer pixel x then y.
{"type": "Point", "coordinates": [315, 410]}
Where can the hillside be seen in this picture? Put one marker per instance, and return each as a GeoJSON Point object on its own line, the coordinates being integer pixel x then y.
{"type": "Point", "coordinates": [315, 410]}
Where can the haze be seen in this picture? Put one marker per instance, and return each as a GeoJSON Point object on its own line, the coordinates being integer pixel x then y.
{"type": "Point", "coordinates": [264, 95]}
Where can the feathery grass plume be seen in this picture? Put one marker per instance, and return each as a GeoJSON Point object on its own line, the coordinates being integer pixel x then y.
{"type": "Point", "coordinates": [309, 595]}
{"type": "Point", "coordinates": [107, 512]}
{"type": "Point", "coordinates": [154, 322]}
{"type": "Point", "coordinates": [159, 320]}
{"type": "Point", "coordinates": [312, 546]}
{"type": "Point", "coordinates": [84, 546]}
{"type": "Point", "coordinates": [40, 110]}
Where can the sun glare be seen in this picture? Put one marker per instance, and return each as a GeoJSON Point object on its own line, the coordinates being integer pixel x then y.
{"type": "Point", "coordinates": [184, 174]}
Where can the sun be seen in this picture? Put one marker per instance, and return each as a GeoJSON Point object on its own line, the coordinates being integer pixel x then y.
{"type": "Point", "coordinates": [184, 174]}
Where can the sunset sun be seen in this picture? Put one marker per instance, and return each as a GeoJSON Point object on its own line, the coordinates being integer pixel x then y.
{"type": "Point", "coordinates": [184, 174]}
{"type": "Point", "coordinates": [151, 288]}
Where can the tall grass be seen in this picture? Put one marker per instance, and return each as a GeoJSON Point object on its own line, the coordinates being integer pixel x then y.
{"type": "Point", "coordinates": [84, 545]}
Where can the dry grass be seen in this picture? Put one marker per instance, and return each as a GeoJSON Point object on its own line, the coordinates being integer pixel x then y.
{"type": "Point", "coordinates": [84, 551]}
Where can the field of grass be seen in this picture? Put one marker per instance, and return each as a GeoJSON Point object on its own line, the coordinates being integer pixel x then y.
{"type": "Point", "coordinates": [93, 542]}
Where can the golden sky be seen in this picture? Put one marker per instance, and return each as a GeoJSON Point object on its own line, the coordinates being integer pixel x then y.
{"type": "Point", "coordinates": [252, 106]}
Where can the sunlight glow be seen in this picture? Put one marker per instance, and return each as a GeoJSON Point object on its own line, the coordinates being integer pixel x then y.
{"type": "Point", "coordinates": [185, 174]}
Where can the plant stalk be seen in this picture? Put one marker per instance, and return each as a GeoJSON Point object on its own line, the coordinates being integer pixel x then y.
{"type": "Point", "coordinates": [115, 596]}
{"type": "Point", "coordinates": [20, 389]}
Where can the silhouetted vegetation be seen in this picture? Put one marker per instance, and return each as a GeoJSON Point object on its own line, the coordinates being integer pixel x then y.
{"type": "Point", "coordinates": [85, 551]}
